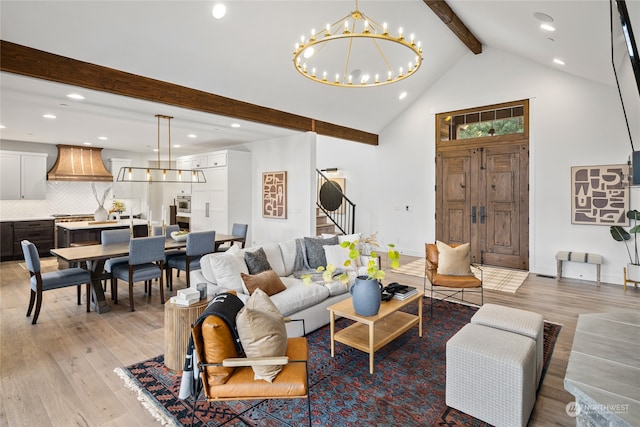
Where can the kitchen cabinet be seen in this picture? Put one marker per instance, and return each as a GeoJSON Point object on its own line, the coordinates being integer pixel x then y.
{"type": "Point", "coordinates": [184, 163]}
{"type": "Point", "coordinates": [23, 176]}
{"type": "Point", "coordinates": [6, 240]}
{"type": "Point", "coordinates": [226, 196]}
{"type": "Point", "coordinates": [84, 231]}
{"type": "Point", "coordinates": [38, 232]}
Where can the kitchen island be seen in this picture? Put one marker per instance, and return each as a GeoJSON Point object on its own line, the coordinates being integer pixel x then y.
{"type": "Point", "coordinates": [90, 231]}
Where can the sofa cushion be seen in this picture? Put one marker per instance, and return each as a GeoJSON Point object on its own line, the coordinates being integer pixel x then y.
{"type": "Point", "coordinates": [268, 281]}
{"type": "Point", "coordinates": [256, 261]}
{"type": "Point", "coordinates": [315, 250]}
{"type": "Point", "coordinates": [227, 267]}
{"type": "Point", "coordinates": [288, 251]}
{"type": "Point", "coordinates": [337, 255]}
{"type": "Point", "coordinates": [298, 296]}
{"type": "Point", "coordinates": [274, 256]}
{"type": "Point", "coordinates": [262, 333]}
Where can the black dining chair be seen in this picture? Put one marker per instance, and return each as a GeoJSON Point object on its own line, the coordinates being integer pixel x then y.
{"type": "Point", "coordinates": [146, 262]}
{"type": "Point", "coordinates": [41, 282]}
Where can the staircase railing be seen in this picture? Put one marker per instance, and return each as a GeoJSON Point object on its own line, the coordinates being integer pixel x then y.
{"type": "Point", "coordinates": [332, 201]}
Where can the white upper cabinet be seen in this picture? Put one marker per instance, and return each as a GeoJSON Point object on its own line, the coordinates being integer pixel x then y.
{"type": "Point", "coordinates": [23, 176]}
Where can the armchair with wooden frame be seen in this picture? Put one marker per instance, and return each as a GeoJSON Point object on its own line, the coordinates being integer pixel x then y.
{"type": "Point", "coordinates": [448, 286]}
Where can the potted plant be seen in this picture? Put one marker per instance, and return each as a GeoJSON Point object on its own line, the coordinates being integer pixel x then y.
{"type": "Point", "coordinates": [619, 234]}
{"type": "Point", "coordinates": [366, 290]}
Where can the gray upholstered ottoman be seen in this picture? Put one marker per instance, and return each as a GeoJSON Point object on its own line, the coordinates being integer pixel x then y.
{"type": "Point", "coordinates": [491, 375]}
{"type": "Point", "coordinates": [517, 321]}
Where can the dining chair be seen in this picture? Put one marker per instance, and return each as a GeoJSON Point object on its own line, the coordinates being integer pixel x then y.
{"type": "Point", "coordinates": [157, 231]}
{"type": "Point", "coordinates": [110, 237]}
{"type": "Point", "coordinates": [146, 262]}
{"type": "Point", "coordinates": [239, 230]}
{"type": "Point", "coordinates": [41, 282]}
{"type": "Point", "coordinates": [198, 244]}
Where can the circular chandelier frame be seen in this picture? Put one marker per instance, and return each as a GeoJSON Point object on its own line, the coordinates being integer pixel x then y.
{"type": "Point", "coordinates": [367, 29]}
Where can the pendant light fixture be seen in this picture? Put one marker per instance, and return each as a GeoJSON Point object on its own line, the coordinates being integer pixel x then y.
{"type": "Point", "coordinates": [160, 174]}
{"type": "Point", "coordinates": [357, 51]}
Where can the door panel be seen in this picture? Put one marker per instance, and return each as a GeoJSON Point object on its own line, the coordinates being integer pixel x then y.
{"type": "Point", "coordinates": [482, 198]}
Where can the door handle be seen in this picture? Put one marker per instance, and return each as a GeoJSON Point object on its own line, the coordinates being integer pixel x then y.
{"type": "Point", "coordinates": [482, 215]}
{"type": "Point", "coordinates": [206, 210]}
{"type": "Point", "coordinates": [473, 214]}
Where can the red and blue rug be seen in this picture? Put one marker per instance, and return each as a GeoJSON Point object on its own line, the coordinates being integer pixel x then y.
{"type": "Point", "coordinates": [407, 387]}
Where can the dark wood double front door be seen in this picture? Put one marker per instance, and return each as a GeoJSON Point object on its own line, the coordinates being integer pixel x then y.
{"type": "Point", "coordinates": [482, 197]}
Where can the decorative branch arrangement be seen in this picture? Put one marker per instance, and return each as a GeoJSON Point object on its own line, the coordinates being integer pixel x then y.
{"type": "Point", "coordinates": [100, 199]}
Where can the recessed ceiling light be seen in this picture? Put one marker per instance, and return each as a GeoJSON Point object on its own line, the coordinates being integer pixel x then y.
{"type": "Point", "coordinates": [103, 138]}
{"type": "Point", "coordinates": [235, 125]}
{"type": "Point", "coordinates": [155, 150]}
{"type": "Point", "coordinates": [86, 143]}
{"type": "Point", "coordinates": [177, 145]}
{"type": "Point", "coordinates": [49, 116]}
{"type": "Point", "coordinates": [547, 27]}
{"type": "Point", "coordinates": [75, 96]}
{"type": "Point", "coordinates": [2, 127]}
{"type": "Point", "coordinates": [558, 61]}
{"type": "Point", "coordinates": [192, 135]}
{"type": "Point", "coordinates": [403, 95]}
{"type": "Point", "coordinates": [542, 17]}
{"type": "Point", "coordinates": [219, 10]}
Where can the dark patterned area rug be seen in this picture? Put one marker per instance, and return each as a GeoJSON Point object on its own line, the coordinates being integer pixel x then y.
{"type": "Point", "coordinates": [407, 387]}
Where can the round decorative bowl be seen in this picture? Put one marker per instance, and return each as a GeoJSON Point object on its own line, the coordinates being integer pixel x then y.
{"type": "Point", "coordinates": [178, 236]}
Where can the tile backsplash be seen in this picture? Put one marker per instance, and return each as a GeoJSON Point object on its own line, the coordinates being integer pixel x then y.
{"type": "Point", "coordinates": [64, 197]}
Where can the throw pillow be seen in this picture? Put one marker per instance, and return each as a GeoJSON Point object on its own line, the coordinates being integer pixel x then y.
{"type": "Point", "coordinates": [256, 261]}
{"type": "Point", "coordinates": [228, 266]}
{"type": "Point", "coordinates": [337, 255]}
{"type": "Point", "coordinates": [268, 281]}
{"type": "Point", "coordinates": [262, 333]}
{"type": "Point", "coordinates": [315, 250]}
{"type": "Point", "coordinates": [454, 261]}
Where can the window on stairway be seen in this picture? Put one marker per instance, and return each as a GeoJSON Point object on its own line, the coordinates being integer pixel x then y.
{"type": "Point", "coordinates": [483, 122]}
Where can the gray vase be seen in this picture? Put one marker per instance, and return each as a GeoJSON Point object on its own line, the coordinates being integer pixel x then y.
{"type": "Point", "coordinates": [366, 295]}
{"type": "Point", "coordinates": [101, 214]}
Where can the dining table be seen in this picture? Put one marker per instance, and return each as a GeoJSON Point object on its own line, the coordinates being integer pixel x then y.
{"type": "Point", "coordinates": [93, 257]}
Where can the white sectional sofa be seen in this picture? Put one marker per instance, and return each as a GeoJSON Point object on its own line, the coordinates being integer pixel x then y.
{"type": "Point", "coordinates": [221, 272]}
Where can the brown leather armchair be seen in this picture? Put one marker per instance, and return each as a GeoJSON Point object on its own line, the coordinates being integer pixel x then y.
{"type": "Point", "coordinates": [233, 378]}
{"type": "Point", "coordinates": [452, 285]}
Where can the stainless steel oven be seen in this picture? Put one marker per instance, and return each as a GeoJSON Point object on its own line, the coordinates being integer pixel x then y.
{"type": "Point", "coordinates": [183, 204]}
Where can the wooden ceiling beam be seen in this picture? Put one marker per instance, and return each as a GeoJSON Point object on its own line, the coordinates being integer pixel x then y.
{"type": "Point", "coordinates": [455, 24]}
{"type": "Point", "coordinates": [26, 61]}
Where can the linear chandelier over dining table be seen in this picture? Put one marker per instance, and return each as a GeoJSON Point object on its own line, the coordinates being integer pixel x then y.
{"type": "Point", "coordinates": [160, 174]}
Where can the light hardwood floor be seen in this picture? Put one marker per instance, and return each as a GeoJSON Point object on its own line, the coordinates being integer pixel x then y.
{"type": "Point", "coordinates": [60, 371]}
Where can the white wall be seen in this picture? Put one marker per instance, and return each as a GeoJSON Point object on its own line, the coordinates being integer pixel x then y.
{"type": "Point", "coordinates": [297, 156]}
{"type": "Point", "coordinates": [573, 122]}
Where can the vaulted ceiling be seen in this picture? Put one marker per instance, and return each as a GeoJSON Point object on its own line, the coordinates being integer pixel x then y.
{"type": "Point", "coordinates": [247, 56]}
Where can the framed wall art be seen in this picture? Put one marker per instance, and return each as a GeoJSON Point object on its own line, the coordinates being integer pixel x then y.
{"type": "Point", "coordinates": [600, 194]}
{"type": "Point", "coordinates": [274, 194]}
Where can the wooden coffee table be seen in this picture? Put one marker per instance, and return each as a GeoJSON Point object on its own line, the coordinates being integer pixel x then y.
{"type": "Point", "coordinates": [370, 333]}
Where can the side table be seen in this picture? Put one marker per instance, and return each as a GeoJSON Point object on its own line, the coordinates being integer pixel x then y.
{"type": "Point", "coordinates": [177, 329]}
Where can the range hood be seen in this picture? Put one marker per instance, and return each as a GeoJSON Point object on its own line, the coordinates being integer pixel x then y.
{"type": "Point", "coordinates": [77, 163]}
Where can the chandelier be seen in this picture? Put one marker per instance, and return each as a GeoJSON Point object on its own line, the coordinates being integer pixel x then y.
{"type": "Point", "coordinates": [160, 174]}
{"type": "Point", "coordinates": [356, 51]}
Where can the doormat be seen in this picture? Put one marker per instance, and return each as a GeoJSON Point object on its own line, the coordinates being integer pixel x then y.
{"type": "Point", "coordinates": [493, 278]}
{"type": "Point", "coordinates": [407, 387]}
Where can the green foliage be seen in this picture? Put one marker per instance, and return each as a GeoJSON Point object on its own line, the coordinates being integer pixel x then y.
{"type": "Point", "coordinates": [619, 234]}
{"type": "Point", "coordinates": [501, 127]}
{"type": "Point", "coordinates": [373, 268]}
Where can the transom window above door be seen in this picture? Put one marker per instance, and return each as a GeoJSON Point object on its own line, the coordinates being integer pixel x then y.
{"type": "Point", "coordinates": [484, 122]}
